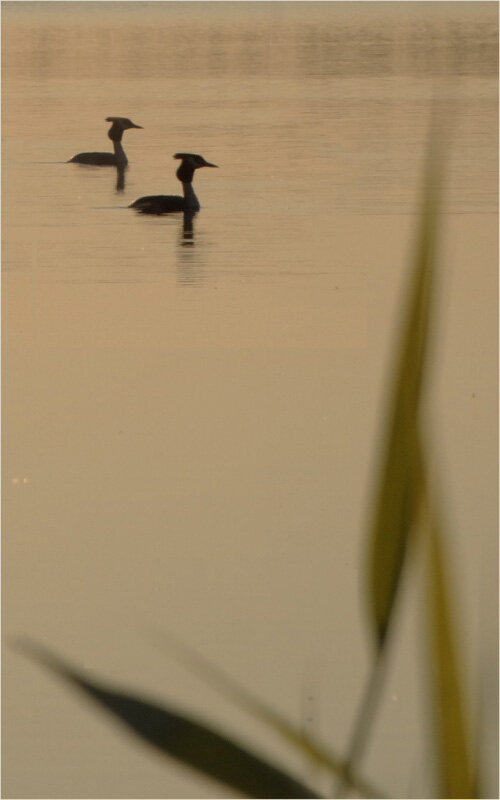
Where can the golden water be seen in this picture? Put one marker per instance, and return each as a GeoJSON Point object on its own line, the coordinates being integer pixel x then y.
{"type": "Point", "coordinates": [190, 422]}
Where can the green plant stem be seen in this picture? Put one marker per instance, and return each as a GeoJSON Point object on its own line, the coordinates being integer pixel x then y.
{"type": "Point", "coordinates": [457, 764]}
{"type": "Point", "coordinates": [364, 720]}
{"type": "Point", "coordinates": [308, 745]}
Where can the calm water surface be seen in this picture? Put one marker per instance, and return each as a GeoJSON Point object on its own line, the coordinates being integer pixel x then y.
{"type": "Point", "coordinates": [190, 416]}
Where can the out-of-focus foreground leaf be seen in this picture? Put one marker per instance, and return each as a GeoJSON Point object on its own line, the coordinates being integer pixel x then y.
{"type": "Point", "coordinates": [228, 687]}
{"type": "Point", "coordinates": [403, 506]}
{"type": "Point", "coordinates": [397, 501]}
{"type": "Point", "coordinates": [457, 772]}
{"type": "Point", "coordinates": [178, 736]}
{"type": "Point", "coordinates": [396, 506]}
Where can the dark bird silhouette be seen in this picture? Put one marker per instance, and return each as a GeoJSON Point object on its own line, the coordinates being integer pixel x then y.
{"type": "Point", "coordinates": [168, 203]}
{"type": "Point", "coordinates": [115, 133]}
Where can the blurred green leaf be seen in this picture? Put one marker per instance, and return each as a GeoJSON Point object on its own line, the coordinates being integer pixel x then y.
{"type": "Point", "coordinates": [397, 501]}
{"type": "Point", "coordinates": [178, 736]}
{"type": "Point", "coordinates": [228, 687]}
{"type": "Point", "coordinates": [403, 504]}
{"type": "Point", "coordinates": [398, 497]}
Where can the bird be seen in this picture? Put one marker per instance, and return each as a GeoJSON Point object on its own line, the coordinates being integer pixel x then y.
{"type": "Point", "coordinates": [169, 203]}
{"type": "Point", "coordinates": [115, 133]}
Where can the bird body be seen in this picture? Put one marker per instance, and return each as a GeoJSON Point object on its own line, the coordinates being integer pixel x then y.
{"type": "Point", "coordinates": [169, 203]}
{"type": "Point", "coordinates": [161, 204]}
{"type": "Point", "coordinates": [118, 157]}
{"type": "Point", "coordinates": [96, 159]}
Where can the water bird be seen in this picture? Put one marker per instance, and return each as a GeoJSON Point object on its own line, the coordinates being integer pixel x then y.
{"type": "Point", "coordinates": [168, 203]}
{"type": "Point", "coordinates": [115, 133]}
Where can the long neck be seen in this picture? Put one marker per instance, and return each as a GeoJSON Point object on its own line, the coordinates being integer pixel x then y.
{"type": "Point", "coordinates": [115, 133]}
{"type": "Point", "coordinates": [121, 158]}
{"type": "Point", "coordinates": [192, 201]}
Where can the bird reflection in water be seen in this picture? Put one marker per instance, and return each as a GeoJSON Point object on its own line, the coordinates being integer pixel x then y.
{"type": "Point", "coordinates": [189, 260]}
{"type": "Point", "coordinates": [187, 236]}
{"type": "Point", "coordinates": [120, 177]}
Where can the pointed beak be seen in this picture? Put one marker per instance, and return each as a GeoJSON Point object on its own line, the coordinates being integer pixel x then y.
{"type": "Point", "coordinates": [208, 164]}
{"type": "Point", "coordinates": [137, 126]}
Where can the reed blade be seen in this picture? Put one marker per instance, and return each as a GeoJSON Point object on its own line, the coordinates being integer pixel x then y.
{"type": "Point", "coordinates": [397, 500]}
{"type": "Point", "coordinates": [180, 737]}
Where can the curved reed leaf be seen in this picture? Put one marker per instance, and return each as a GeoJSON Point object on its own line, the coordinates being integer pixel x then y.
{"type": "Point", "coordinates": [180, 737]}
{"type": "Point", "coordinates": [228, 687]}
{"type": "Point", "coordinates": [397, 501]}
{"type": "Point", "coordinates": [403, 504]}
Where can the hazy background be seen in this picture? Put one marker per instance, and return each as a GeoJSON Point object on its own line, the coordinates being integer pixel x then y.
{"type": "Point", "coordinates": [190, 424]}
